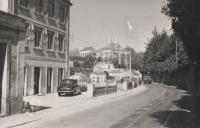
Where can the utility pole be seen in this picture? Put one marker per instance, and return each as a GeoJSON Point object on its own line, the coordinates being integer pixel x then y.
{"type": "Point", "coordinates": [130, 61]}
{"type": "Point", "coordinates": [130, 65]}
{"type": "Point", "coordinates": [176, 63]}
{"type": "Point", "coordinates": [67, 73]}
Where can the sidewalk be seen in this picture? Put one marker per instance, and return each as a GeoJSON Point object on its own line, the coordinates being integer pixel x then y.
{"type": "Point", "coordinates": [55, 106]}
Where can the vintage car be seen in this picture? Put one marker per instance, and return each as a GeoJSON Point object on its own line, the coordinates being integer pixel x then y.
{"type": "Point", "coordinates": [147, 79]}
{"type": "Point", "coordinates": [69, 86]}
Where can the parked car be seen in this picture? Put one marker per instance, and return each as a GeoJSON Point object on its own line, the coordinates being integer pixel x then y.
{"type": "Point", "coordinates": [69, 86]}
{"type": "Point", "coordinates": [147, 79]}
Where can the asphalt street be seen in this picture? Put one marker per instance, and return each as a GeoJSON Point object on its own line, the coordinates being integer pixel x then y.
{"type": "Point", "coordinates": [153, 108]}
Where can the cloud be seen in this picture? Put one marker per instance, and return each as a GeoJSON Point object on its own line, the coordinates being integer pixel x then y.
{"type": "Point", "coordinates": [130, 25]}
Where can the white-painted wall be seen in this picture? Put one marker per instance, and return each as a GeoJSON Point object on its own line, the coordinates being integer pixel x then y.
{"type": "Point", "coordinates": [98, 80]}
{"type": "Point", "coordinates": [103, 67]}
{"type": "Point", "coordinates": [4, 5]}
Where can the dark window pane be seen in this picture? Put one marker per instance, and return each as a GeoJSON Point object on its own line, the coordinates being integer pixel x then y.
{"type": "Point", "coordinates": [37, 37]}
{"type": "Point", "coordinates": [51, 9]}
{"type": "Point", "coordinates": [60, 45]}
{"type": "Point", "coordinates": [50, 40]}
{"type": "Point", "coordinates": [24, 3]}
{"type": "Point", "coordinates": [62, 14]}
{"type": "Point", "coordinates": [39, 5]}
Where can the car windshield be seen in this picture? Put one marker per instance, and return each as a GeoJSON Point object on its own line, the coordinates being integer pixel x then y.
{"type": "Point", "coordinates": [68, 82]}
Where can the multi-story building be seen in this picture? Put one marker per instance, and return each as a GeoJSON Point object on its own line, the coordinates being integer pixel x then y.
{"type": "Point", "coordinates": [113, 52]}
{"type": "Point", "coordinates": [88, 51]}
{"type": "Point", "coordinates": [46, 45]}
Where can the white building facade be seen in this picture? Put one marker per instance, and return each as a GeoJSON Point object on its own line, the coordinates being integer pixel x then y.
{"type": "Point", "coordinates": [88, 51]}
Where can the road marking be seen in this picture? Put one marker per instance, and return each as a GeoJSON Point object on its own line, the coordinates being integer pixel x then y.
{"type": "Point", "coordinates": [132, 123]}
{"type": "Point", "coordinates": [169, 116]}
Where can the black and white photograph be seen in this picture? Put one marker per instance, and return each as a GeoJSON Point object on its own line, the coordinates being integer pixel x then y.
{"type": "Point", "coordinates": [99, 64]}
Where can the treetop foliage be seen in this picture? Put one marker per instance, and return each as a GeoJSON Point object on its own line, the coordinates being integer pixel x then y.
{"type": "Point", "coordinates": [186, 24]}
{"type": "Point", "coordinates": [160, 54]}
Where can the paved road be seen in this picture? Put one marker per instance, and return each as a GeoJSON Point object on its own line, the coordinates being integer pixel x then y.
{"type": "Point", "coordinates": [131, 111]}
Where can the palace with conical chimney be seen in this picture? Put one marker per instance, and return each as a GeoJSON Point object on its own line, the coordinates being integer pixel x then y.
{"type": "Point", "coordinates": [114, 53]}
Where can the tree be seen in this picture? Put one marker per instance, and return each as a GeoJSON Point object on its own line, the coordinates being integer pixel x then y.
{"type": "Point", "coordinates": [99, 59]}
{"type": "Point", "coordinates": [160, 54]}
{"type": "Point", "coordinates": [89, 61]}
{"type": "Point", "coordinates": [186, 24]}
{"type": "Point", "coordinates": [76, 64]}
{"type": "Point", "coordinates": [136, 58]}
{"type": "Point", "coordinates": [77, 61]}
{"type": "Point", "coordinates": [115, 62]}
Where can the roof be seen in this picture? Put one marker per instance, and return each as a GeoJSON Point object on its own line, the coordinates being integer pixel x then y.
{"type": "Point", "coordinates": [68, 2]}
{"type": "Point", "coordinates": [116, 71]}
{"type": "Point", "coordinates": [98, 73]}
{"type": "Point", "coordinates": [88, 49]}
{"type": "Point", "coordinates": [113, 47]}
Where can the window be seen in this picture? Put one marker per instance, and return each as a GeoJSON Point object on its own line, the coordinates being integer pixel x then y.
{"type": "Point", "coordinates": [51, 9]}
{"type": "Point", "coordinates": [93, 79]}
{"type": "Point", "coordinates": [37, 37]}
{"type": "Point", "coordinates": [24, 3]}
{"type": "Point", "coordinates": [60, 45]}
{"type": "Point", "coordinates": [62, 14]}
{"type": "Point", "coordinates": [39, 6]}
{"type": "Point", "coordinates": [50, 40]}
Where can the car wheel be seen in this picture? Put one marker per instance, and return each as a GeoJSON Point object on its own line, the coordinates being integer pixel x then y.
{"type": "Point", "coordinates": [74, 93]}
{"type": "Point", "coordinates": [59, 94]}
{"type": "Point", "coordinates": [79, 92]}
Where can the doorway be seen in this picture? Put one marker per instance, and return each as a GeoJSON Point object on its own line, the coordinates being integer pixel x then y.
{"type": "Point", "coordinates": [36, 80]}
{"type": "Point", "coordinates": [49, 80]}
{"type": "Point", "coordinates": [60, 75]}
{"type": "Point", "coordinates": [3, 47]}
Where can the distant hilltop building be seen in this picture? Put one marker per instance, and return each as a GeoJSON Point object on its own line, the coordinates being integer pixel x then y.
{"type": "Point", "coordinates": [113, 53]}
{"type": "Point", "coordinates": [87, 51]}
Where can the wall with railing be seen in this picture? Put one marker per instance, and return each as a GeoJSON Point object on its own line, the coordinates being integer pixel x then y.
{"type": "Point", "coordinates": [98, 91]}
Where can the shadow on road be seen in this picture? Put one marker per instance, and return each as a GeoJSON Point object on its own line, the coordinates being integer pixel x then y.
{"type": "Point", "coordinates": [186, 114]}
{"type": "Point", "coordinates": [34, 108]}
{"type": "Point", "coordinates": [39, 108]}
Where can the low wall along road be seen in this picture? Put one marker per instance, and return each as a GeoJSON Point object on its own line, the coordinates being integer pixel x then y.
{"type": "Point", "coordinates": [104, 90]}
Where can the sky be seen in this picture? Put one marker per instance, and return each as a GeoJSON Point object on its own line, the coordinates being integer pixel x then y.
{"type": "Point", "coordinates": [128, 22]}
